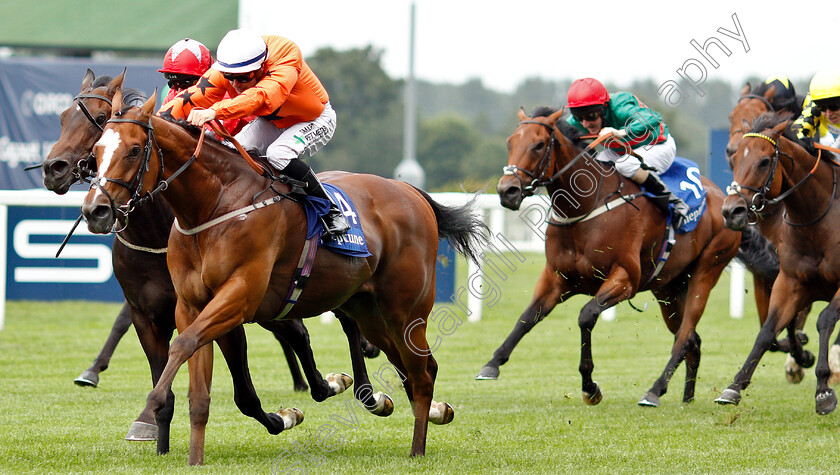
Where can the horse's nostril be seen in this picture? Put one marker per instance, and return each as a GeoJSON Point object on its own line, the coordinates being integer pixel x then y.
{"type": "Point", "coordinates": [59, 167]}
{"type": "Point", "coordinates": [101, 212]}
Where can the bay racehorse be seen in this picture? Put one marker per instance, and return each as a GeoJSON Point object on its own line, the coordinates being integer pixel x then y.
{"type": "Point", "coordinates": [771, 166]}
{"type": "Point", "coordinates": [139, 259]}
{"type": "Point", "coordinates": [612, 255]}
{"type": "Point", "coordinates": [752, 103]}
{"type": "Point", "coordinates": [237, 271]}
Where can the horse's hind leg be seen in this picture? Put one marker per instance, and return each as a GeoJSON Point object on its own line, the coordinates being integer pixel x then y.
{"type": "Point", "coordinates": [298, 383]}
{"type": "Point", "coordinates": [90, 376]}
{"type": "Point", "coordinates": [234, 347]}
{"type": "Point", "coordinates": [546, 296]}
{"type": "Point", "coordinates": [379, 404]}
{"type": "Point", "coordinates": [686, 345]}
{"type": "Point", "coordinates": [296, 334]}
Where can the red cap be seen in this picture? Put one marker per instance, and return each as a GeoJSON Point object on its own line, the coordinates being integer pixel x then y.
{"type": "Point", "coordinates": [587, 92]}
{"type": "Point", "coordinates": [187, 57]}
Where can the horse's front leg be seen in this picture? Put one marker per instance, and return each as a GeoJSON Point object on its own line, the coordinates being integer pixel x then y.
{"type": "Point", "coordinates": [201, 375]}
{"type": "Point", "coordinates": [616, 287]}
{"type": "Point", "coordinates": [90, 376]}
{"type": "Point", "coordinates": [826, 400]}
{"type": "Point", "coordinates": [787, 297]}
{"type": "Point", "coordinates": [547, 294]}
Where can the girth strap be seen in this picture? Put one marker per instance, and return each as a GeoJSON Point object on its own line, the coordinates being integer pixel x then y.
{"type": "Point", "coordinates": [301, 275]}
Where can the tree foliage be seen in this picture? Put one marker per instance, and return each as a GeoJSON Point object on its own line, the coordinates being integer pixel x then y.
{"type": "Point", "coordinates": [463, 127]}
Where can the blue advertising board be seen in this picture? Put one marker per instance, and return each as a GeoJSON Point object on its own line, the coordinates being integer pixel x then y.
{"type": "Point", "coordinates": [83, 271]}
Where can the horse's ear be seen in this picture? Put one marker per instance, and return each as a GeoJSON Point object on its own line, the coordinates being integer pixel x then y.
{"type": "Point", "coordinates": [770, 93]}
{"type": "Point", "coordinates": [87, 81]}
{"type": "Point", "coordinates": [521, 114]}
{"type": "Point", "coordinates": [148, 107]}
{"type": "Point", "coordinates": [553, 118]}
{"type": "Point", "coordinates": [116, 83]}
{"type": "Point", "coordinates": [116, 102]}
{"type": "Point", "coordinates": [779, 129]}
{"type": "Point", "coordinates": [746, 89]}
{"type": "Point", "coordinates": [745, 126]}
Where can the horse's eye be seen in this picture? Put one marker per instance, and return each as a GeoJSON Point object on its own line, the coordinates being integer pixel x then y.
{"type": "Point", "coordinates": [764, 162]}
{"type": "Point", "coordinates": [101, 119]}
{"type": "Point", "coordinates": [135, 151]}
{"type": "Point", "coordinates": [539, 146]}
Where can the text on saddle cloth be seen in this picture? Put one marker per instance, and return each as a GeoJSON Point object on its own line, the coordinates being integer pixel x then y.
{"type": "Point", "coordinates": [351, 243]}
{"type": "Point", "coordinates": [683, 179]}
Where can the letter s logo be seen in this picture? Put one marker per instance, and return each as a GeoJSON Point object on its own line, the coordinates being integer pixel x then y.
{"type": "Point", "coordinates": [26, 249]}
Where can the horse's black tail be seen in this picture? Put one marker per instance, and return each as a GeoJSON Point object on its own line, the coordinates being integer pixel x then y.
{"type": "Point", "coordinates": [460, 225]}
{"type": "Point", "coordinates": [758, 254]}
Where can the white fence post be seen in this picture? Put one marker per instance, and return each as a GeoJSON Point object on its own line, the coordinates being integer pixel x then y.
{"type": "Point", "coordinates": [737, 289]}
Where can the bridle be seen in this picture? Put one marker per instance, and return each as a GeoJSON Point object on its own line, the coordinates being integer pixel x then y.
{"type": "Point", "coordinates": [134, 186]}
{"type": "Point", "coordinates": [84, 170]}
{"type": "Point", "coordinates": [537, 176]}
{"type": "Point", "coordinates": [759, 200]}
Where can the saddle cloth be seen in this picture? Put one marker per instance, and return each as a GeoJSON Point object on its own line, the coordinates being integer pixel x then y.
{"type": "Point", "coordinates": [683, 179]}
{"type": "Point", "coordinates": [352, 243]}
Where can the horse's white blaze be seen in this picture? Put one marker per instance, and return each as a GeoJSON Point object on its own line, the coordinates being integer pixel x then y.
{"type": "Point", "coordinates": [110, 140]}
{"type": "Point", "coordinates": [746, 151]}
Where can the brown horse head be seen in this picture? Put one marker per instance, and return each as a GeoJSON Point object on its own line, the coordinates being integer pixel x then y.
{"type": "Point", "coordinates": [530, 158]}
{"type": "Point", "coordinates": [81, 127]}
{"type": "Point", "coordinates": [749, 107]}
{"type": "Point", "coordinates": [124, 153]}
{"type": "Point", "coordinates": [757, 173]}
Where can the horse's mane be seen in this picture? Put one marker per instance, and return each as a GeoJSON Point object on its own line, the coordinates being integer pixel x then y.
{"type": "Point", "coordinates": [768, 120]}
{"type": "Point", "coordinates": [194, 132]}
{"type": "Point", "coordinates": [780, 102]}
{"type": "Point", "coordinates": [568, 130]}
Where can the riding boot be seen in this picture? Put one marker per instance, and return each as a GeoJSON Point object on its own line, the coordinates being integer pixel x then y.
{"type": "Point", "coordinates": [655, 186]}
{"type": "Point", "coordinates": [334, 221]}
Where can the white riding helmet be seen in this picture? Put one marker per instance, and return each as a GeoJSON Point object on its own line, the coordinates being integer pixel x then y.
{"type": "Point", "coordinates": [240, 51]}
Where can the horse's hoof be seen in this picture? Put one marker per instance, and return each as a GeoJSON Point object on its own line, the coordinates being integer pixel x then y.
{"type": "Point", "coordinates": [488, 372]}
{"type": "Point", "coordinates": [300, 388]}
{"type": "Point", "coordinates": [441, 413]}
{"type": "Point", "coordinates": [729, 396]}
{"type": "Point", "coordinates": [793, 372]}
{"type": "Point", "coordinates": [593, 398]}
{"type": "Point", "coordinates": [338, 382]}
{"type": "Point", "coordinates": [649, 400]}
{"type": "Point", "coordinates": [370, 351]}
{"type": "Point", "coordinates": [826, 402]}
{"type": "Point", "coordinates": [384, 405]}
{"type": "Point", "coordinates": [87, 378]}
{"type": "Point", "coordinates": [809, 359]}
{"type": "Point", "coordinates": [142, 431]}
{"type": "Point", "coordinates": [802, 337]}
{"type": "Point", "coordinates": [291, 416]}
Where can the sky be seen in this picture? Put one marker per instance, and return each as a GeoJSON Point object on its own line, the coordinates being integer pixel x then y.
{"type": "Point", "coordinates": [504, 43]}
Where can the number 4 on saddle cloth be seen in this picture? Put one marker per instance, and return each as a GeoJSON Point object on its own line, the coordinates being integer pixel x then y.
{"type": "Point", "coordinates": [351, 243]}
{"type": "Point", "coordinates": [683, 179]}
